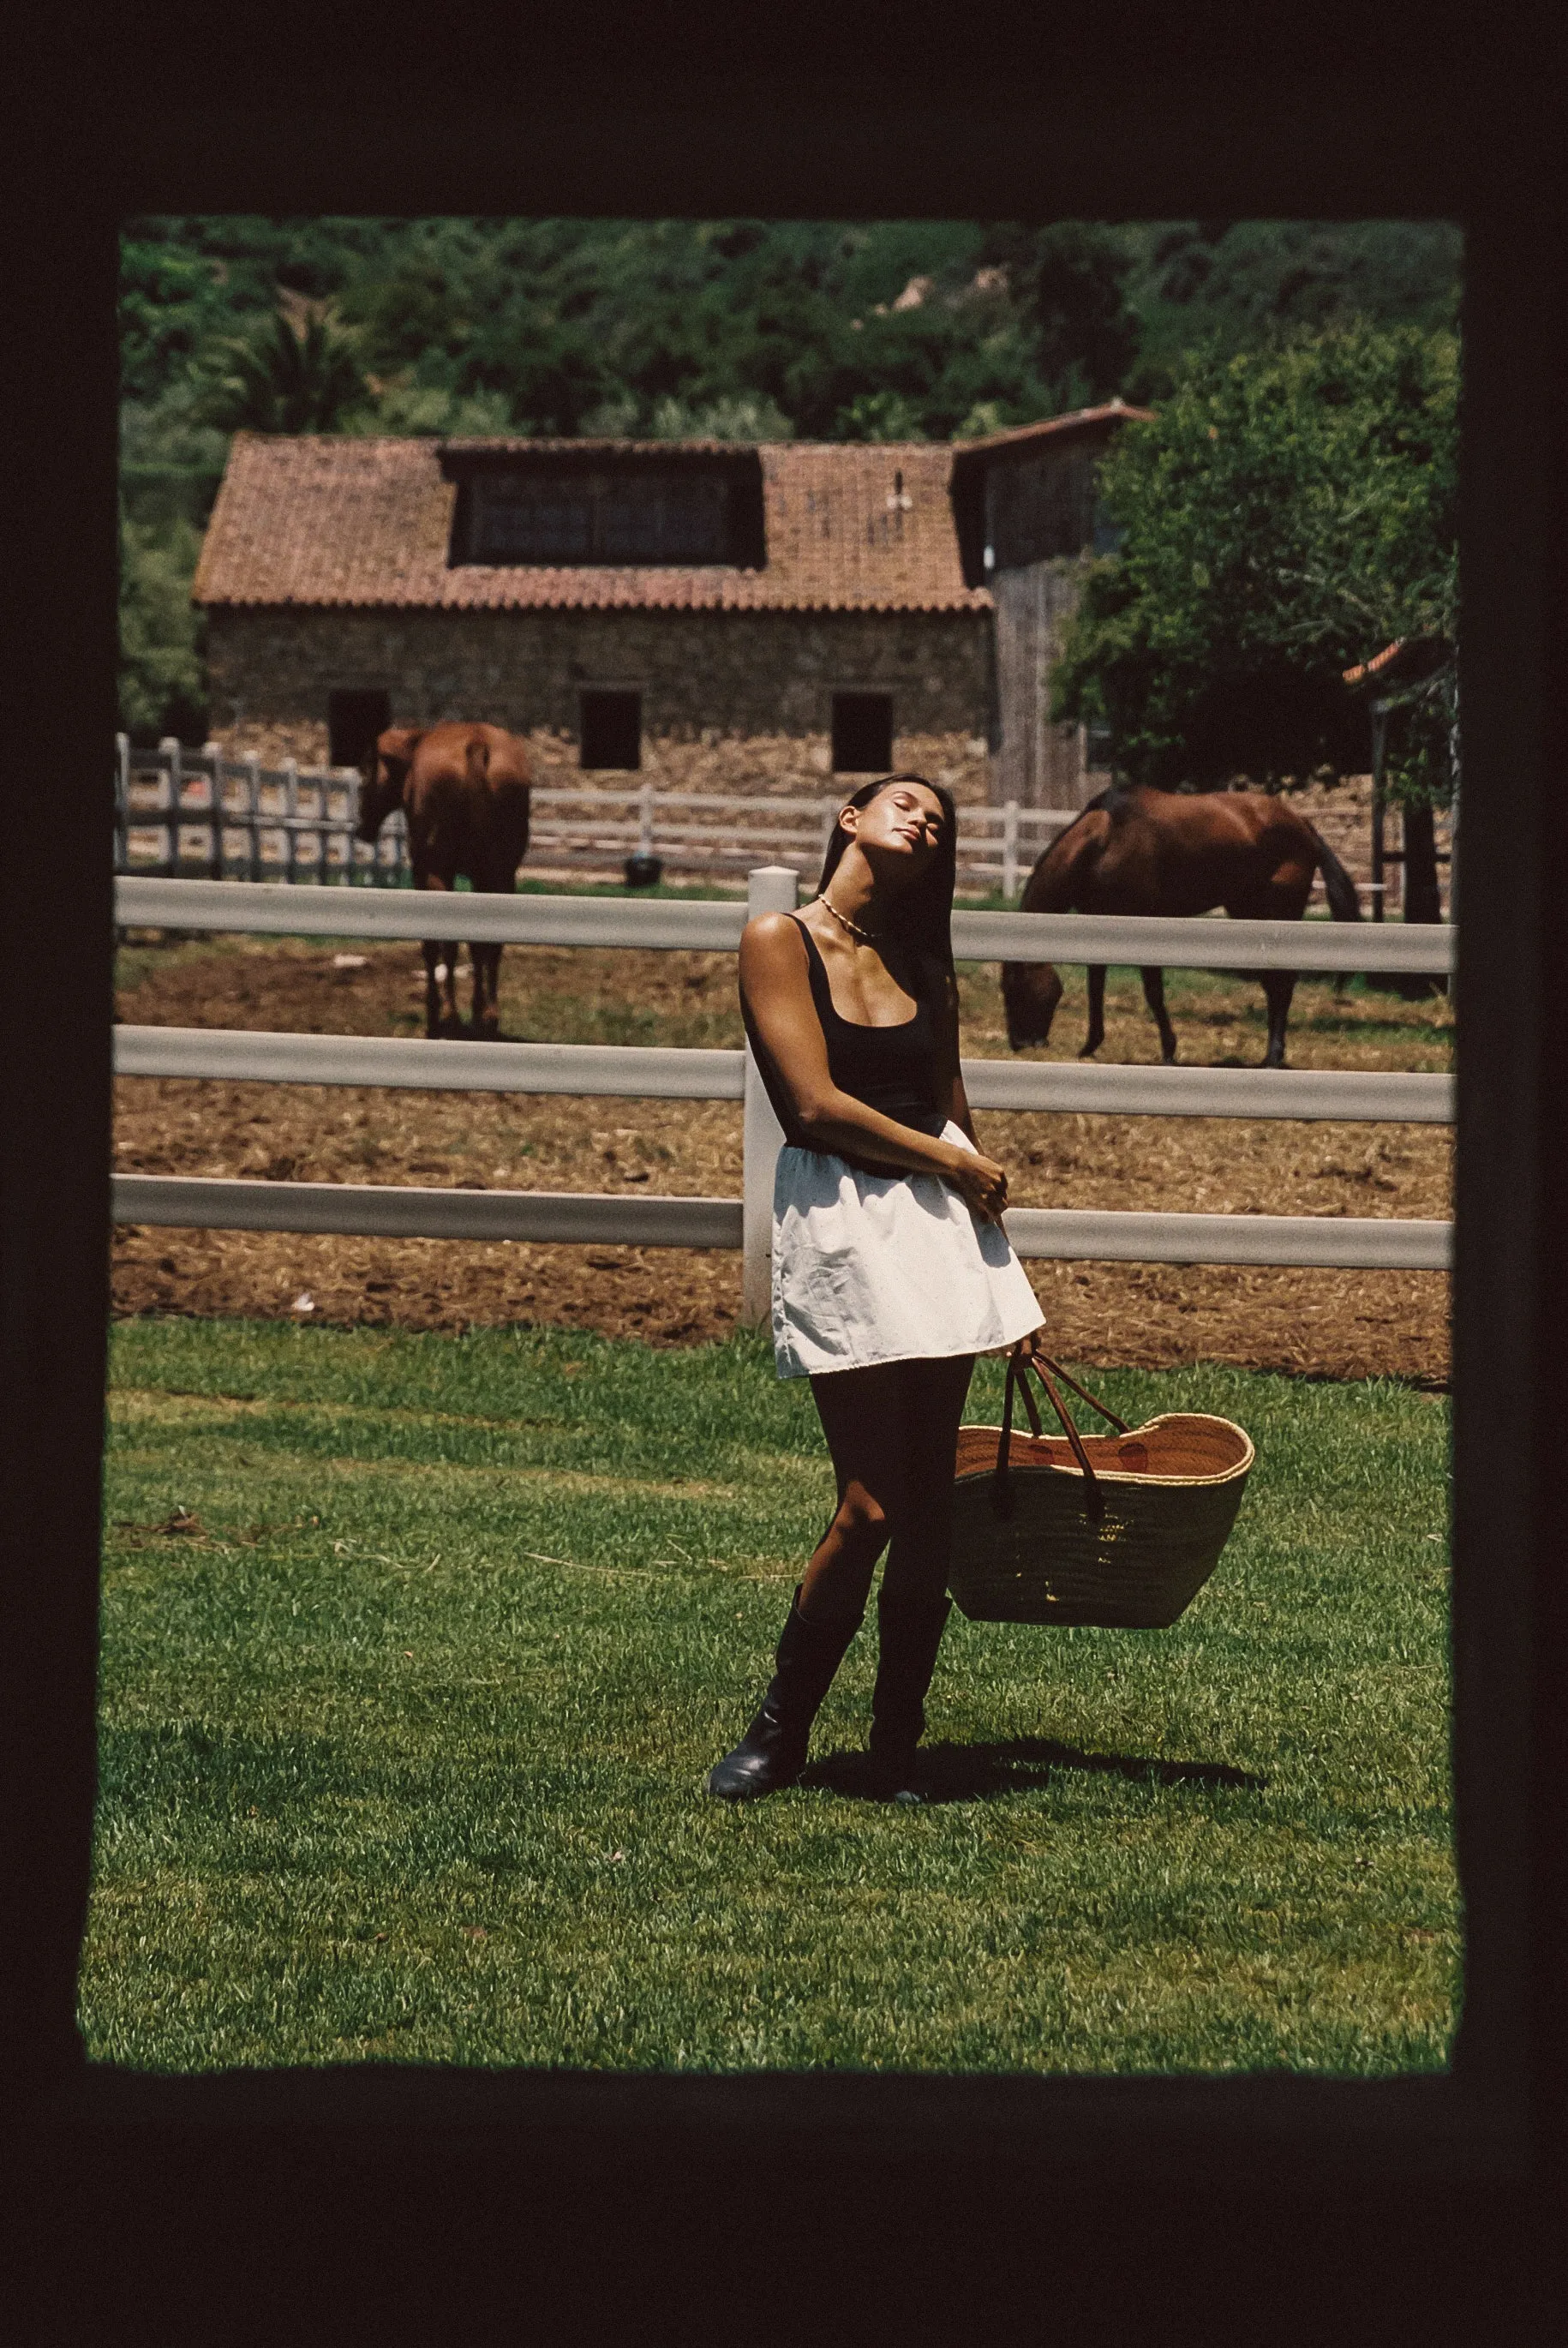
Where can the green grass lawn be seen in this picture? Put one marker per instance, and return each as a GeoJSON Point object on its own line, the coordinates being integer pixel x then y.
{"type": "Point", "coordinates": [416, 1649]}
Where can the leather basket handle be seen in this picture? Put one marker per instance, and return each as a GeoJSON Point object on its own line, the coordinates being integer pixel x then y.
{"type": "Point", "coordinates": [1082, 1392]}
{"type": "Point", "coordinates": [1001, 1488]}
{"type": "Point", "coordinates": [1093, 1499]}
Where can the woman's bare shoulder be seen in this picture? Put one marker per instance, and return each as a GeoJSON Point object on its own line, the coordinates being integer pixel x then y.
{"type": "Point", "coordinates": [771, 935]}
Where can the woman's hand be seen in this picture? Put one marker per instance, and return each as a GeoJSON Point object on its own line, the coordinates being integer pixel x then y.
{"type": "Point", "coordinates": [980, 1182]}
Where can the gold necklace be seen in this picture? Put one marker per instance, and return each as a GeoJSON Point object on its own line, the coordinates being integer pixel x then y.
{"type": "Point", "coordinates": [854, 929]}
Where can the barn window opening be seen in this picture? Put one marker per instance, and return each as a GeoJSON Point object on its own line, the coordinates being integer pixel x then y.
{"type": "Point", "coordinates": [633, 511]}
{"type": "Point", "coordinates": [862, 733]}
{"type": "Point", "coordinates": [611, 729]}
{"type": "Point", "coordinates": [354, 719]}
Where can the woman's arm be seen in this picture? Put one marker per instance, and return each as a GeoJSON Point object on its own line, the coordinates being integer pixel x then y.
{"type": "Point", "coordinates": [777, 991]}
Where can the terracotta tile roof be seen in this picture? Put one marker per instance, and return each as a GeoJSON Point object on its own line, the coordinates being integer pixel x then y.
{"type": "Point", "coordinates": [1406, 656]}
{"type": "Point", "coordinates": [1365, 671]}
{"type": "Point", "coordinates": [332, 521]}
{"type": "Point", "coordinates": [1089, 420]}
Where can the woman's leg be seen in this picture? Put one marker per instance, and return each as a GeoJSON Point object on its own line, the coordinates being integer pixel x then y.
{"type": "Point", "coordinates": [864, 1415]}
{"type": "Point", "coordinates": [913, 1605]}
{"type": "Point", "coordinates": [930, 1412]}
{"type": "Point", "coordinates": [860, 1413]}
{"type": "Point", "coordinates": [891, 1433]}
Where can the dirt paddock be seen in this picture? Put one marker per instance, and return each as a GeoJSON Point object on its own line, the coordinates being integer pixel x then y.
{"type": "Point", "coordinates": [1342, 1324]}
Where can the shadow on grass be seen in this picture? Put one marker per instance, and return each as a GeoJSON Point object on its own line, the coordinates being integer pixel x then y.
{"type": "Point", "coordinates": [978, 1773]}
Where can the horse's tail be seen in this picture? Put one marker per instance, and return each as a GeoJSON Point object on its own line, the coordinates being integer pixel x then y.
{"type": "Point", "coordinates": [1344, 903]}
{"type": "Point", "coordinates": [476, 759]}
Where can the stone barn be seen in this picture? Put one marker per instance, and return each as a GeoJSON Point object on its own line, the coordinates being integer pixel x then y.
{"type": "Point", "coordinates": [707, 615]}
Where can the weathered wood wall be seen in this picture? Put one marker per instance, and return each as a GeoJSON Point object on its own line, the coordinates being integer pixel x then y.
{"type": "Point", "coordinates": [1037, 763]}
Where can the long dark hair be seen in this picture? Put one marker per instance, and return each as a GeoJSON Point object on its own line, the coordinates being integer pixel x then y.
{"type": "Point", "coordinates": [922, 916]}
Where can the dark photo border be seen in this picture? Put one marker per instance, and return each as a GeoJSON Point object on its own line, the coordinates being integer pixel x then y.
{"type": "Point", "coordinates": [890, 2205]}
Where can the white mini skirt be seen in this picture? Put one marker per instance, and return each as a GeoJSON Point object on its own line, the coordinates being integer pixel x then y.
{"type": "Point", "coordinates": [872, 1267]}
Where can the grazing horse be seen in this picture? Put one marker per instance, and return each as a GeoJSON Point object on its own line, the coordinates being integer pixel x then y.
{"type": "Point", "coordinates": [464, 793]}
{"type": "Point", "coordinates": [1138, 850]}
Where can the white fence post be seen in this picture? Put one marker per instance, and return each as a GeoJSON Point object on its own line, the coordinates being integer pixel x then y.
{"type": "Point", "coordinates": [771, 889]}
{"type": "Point", "coordinates": [646, 820]}
{"type": "Point", "coordinates": [1010, 849]}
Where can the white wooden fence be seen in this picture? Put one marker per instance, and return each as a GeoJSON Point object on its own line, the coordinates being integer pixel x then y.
{"type": "Point", "coordinates": [298, 823]}
{"type": "Point", "coordinates": [180, 811]}
{"type": "Point", "coordinates": [629, 1072]}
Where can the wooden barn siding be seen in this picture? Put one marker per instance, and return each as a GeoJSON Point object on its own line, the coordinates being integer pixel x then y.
{"type": "Point", "coordinates": [1037, 763]}
{"type": "Point", "coordinates": [1040, 508]}
{"type": "Point", "coordinates": [1040, 503]}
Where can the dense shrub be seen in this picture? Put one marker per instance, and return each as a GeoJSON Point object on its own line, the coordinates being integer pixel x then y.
{"type": "Point", "coordinates": [1285, 514]}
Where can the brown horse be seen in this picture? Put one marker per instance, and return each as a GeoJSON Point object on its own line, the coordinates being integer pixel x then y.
{"type": "Point", "coordinates": [464, 793]}
{"type": "Point", "coordinates": [1138, 850]}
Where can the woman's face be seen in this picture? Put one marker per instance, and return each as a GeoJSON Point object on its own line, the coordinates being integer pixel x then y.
{"type": "Point", "coordinates": [903, 821]}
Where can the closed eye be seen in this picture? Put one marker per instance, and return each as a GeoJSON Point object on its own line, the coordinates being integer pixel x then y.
{"type": "Point", "coordinates": [931, 821]}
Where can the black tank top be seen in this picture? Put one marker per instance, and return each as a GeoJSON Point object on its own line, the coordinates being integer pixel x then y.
{"type": "Point", "coordinates": [892, 1069]}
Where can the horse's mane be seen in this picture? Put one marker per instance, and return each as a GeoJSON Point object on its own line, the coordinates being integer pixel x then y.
{"type": "Point", "coordinates": [1110, 801]}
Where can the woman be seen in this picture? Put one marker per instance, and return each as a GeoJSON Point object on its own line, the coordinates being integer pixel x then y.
{"type": "Point", "coordinates": [891, 1267]}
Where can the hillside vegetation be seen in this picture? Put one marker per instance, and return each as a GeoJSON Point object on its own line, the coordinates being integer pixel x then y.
{"type": "Point", "coordinates": [740, 329]}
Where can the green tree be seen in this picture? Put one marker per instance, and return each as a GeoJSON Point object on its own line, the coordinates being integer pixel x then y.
{"type": "Point", "coordinates": [1233, 285]}
{"type": "Point", "coordinates": [1284, 514]}
{"type": "Point", "coordinates": [171, 303]}
{"type": "Point", "coordinates": [559, 317]}
{"type": "Point", "coordinates": [304, 377]}
{"type": "Point", "coordinates": [1070, 282]}
{"type": "Point", "coordinates": [162, 675]}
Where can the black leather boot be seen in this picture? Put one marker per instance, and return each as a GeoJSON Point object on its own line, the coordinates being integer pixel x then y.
{"type": "Point", "coordinates": [772, 1753]}
{"type": "Point", "coordinates": [910, 1637]}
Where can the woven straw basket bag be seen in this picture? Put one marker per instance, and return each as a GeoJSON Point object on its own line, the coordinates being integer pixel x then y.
{"type": "Point", "coordinates": [1118, 1530]}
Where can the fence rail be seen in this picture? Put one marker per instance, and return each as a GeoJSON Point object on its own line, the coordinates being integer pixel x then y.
{"type": "Point", "coordinates": [609, 1218]}
{"type": "Point", "coordinates": [715, 927]}
{"type": "Point", "coordinates": [638, 1071]}
{"type": "Point", "coordinates": [196, 810]}
{"type": "Point", "coordinates": [380, 1210]}
{"type": "Point", "coordinates": [375, 1211]}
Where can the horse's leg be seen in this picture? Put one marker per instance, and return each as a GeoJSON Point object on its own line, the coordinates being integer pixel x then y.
{"type": "Point", "coordinates": [440, 967]}
{"type": "Point", "coordinates": [1282, 897]}
{"type": "Point", "coordinates": [486, 961]}
{"type": "Point", "coordinates": [1279, 985]}
{"type": "Point", "coordinates": [1096, 1036]}
{"type": "Point", "coordinates": [441, 987]}
{"type": "Point", "coordinates": [493, 876]}
{"type": "Point", "coordinates": [1154, 995]}
{"type": "Point", "coordinates": [435, 972]}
